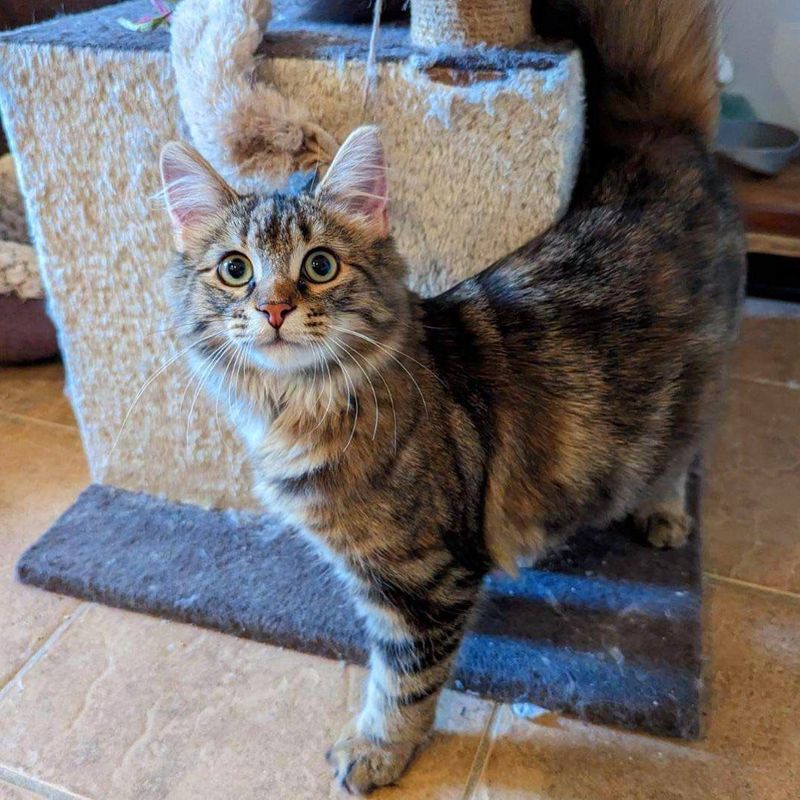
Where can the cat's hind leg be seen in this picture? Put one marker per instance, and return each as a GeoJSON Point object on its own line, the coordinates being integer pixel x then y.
{"type": "Point", "coordinates": [662, 517]}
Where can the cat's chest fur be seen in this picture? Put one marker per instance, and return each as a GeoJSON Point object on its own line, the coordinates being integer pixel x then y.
{"type": "Point", "coordinates": [298, 445]}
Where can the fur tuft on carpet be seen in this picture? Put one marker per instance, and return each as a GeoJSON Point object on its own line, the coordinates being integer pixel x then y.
{"type": "Point", "coordinates": [607, 630]}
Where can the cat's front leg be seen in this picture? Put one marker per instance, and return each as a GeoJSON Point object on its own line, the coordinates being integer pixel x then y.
{"type": "Point", "coordinates": [410, 662]}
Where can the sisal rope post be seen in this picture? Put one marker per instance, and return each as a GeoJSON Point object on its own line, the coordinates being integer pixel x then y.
{"type": "Point", "coordinates": [469, 22]}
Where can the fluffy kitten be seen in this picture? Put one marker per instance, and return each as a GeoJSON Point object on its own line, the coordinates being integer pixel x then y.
{"type": "Point", "coordinates": [419, 443]}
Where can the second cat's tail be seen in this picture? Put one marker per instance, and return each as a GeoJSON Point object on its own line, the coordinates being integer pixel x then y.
{"type": "Point", "coordinates": [252, 135]}
{"type": "Point", "coordinates": [650, 65]}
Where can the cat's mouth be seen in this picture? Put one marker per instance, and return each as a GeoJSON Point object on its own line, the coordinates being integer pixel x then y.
{"type": "Point", "coordinates": [277, 342]}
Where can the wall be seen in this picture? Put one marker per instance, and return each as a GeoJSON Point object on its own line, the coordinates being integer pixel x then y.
{"type": "Point", "coordinates": [762, 37]}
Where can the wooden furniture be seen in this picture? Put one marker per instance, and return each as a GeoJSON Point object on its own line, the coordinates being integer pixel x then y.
{"type": "Point", "coordinates": [15, 13]}
{"type": "Point", "coordinates": [771, 209]}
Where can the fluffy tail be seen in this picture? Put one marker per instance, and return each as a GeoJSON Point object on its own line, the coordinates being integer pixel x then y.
{"type": "Point", "coordinates": [254, 136]}
{"type": "Point", "coordinates": [651, 65]}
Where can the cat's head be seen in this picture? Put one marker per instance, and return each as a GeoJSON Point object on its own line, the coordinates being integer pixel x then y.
{"type": "Point", "coordinates": [285, 278]}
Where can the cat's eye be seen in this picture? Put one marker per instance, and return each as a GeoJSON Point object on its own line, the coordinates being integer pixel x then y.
{"type": "Point", "coordinates": [235, 270]}
{"type": "Point", "coordinates": [320, 266]}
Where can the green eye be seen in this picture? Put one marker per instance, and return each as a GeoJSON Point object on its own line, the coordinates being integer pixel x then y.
{"type": "Point", "coordinates": [320, 266]}
{"type": "Point", "coordinates": [235, 270]}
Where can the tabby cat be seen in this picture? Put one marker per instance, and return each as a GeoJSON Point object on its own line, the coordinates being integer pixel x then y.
{"type": "Point", "coordinates": [421, 443]}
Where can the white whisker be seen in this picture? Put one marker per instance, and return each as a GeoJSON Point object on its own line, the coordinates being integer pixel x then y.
{"type": "Point", "coordinates": [330, 391]}
{"type": "Point", "coordinates": [394, 350]}
{"type": "Point", "coordinates": [350, 383]}
{"type": "Point", "coordinates": [352, 353]}
{"type": "Point", "coordinates": [196, 370]}
{"type": "Point", "coordinates": [241, 357]}
{"type": "Point", "coordinates": [228, 366]}
{"type": "Point", "coordinates": [391, 398]}
{"type": "Point", "coordinates": [147, 383]}
{"type": "Point", "coordinates": [393, 357]}
{"type": "Point", "coordinates": [213, 361]}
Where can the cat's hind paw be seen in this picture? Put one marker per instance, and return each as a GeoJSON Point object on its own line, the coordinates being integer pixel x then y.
{"type": "Point", "coordinates": [666, 530]}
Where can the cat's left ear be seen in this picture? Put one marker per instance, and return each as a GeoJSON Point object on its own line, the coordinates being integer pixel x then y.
{"type": "Point", "coordinates": [356, 180]}
{"type": "Point", "coordinates": [196, 195]}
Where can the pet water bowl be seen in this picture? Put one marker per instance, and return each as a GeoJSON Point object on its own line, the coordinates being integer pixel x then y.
{"type": "Point", "coordinates": [760, 146]}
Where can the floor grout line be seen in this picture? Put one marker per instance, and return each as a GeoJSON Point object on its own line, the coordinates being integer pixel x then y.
{"type": "Point", "coordinates": [66, 623]}
{"type": "Point", "coordinates": [482, 753]}
{"type": "Point", "coordinates": [25, 418]}
{"type": "Point", "coordinates": [791, 385]}
{"type": "Point", "coordinates": [37, 786]}
{"type": "Point", "coordinates": [748, 585]}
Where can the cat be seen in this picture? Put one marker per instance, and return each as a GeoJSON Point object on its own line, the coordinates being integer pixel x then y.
{"type": "Point", "coordinates": [420, 443]}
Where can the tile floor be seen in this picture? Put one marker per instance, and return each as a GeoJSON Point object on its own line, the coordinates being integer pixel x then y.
{"type": "Point", "coordinates": [102, 704]}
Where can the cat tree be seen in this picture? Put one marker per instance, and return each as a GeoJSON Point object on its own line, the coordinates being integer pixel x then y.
{"type": "Point", "coordinates": [483, 145]}
{"type": "Point", "coordinates": [470, 22]}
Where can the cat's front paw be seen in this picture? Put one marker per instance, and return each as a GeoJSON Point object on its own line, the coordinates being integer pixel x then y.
{"type": "Point", "coordinates": [359, 765]}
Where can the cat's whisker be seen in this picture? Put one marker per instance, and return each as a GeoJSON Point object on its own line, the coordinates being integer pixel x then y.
{"type": "Point", "coordinates": [352, 353]}
{"type": "Point", "coordinates": [394, 358]}
{"type": "Point", "coordinates": [330, 388]}
{"type": "Point", "coordinates": [330, 391]}
{"type": "Point", "coordinates": [147, 383]}
{"type": "Point", "coordinates": [391, 398]}
{"type": "Point", "coordinates": [393, 349]}
{"type": "Point", "coordinates": [354, 395]}
{"type": "Point", "coordinates": [314, 379]}
{"type": "Point", "coordinates": [241, 357]}
{"type": "Point", "coordinates": [177, 326]}
{"type": "Point", "coordinates": [351, 392]}
{"type": "Point", "coordinates": [228, 366]}
{"type": "Point", "coordinates": [232, 383]}
{"type": "Point", "coordinates": [212, 363]}
{"type": "Point", "coordinates": [388, 391]}
{"type": "Point", "coordinates": [317, 354]}
{"type": "Point", "coordinates": [195, 372]}
{"type": "Point", "coordinates": [246, 354]}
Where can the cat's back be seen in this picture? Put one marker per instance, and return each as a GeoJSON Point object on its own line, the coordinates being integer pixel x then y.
{"type": "Point", "coordinates": [600, 347]}
{"type": "Point", "coordinates": [654, 243]}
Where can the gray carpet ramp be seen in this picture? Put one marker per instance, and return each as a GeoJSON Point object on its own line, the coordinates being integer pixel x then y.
{"type": "Point", "coordinates": [607, 630]}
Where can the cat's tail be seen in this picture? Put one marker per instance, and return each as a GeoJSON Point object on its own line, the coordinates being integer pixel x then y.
{"type": "Point", "coordinates": [253, 136]}
{"type": "Point", "coordinates": [650, 65]}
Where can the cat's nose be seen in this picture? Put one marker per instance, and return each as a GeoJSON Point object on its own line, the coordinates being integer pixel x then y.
{"type": "Point", "coordinates": [276, 312]}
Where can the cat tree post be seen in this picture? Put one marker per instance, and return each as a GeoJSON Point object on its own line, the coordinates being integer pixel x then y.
{"type": "Point", "coordinates": [470, 22]}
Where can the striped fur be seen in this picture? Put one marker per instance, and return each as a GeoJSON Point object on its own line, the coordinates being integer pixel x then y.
{"type": "Point", "coordinates": [418, 443]}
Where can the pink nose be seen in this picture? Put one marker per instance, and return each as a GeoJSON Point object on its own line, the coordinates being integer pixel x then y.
{"type": "Point", "coordinates": [276, 312]}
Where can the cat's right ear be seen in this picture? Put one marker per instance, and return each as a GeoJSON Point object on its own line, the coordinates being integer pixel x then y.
{"type": "Point", "coordinates": [356, 180]}
{"type": "Point", "coordinates": [195, 194]}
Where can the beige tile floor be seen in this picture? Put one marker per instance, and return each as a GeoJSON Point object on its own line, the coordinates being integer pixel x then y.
{"type": "Point", "coordinates": [102, 704]}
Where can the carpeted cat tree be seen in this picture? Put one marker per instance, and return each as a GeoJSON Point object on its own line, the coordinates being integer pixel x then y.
{"type": "Point", "coordinates": [483, 129]}
{"type": "Point", "coordinates": [483, 146]}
